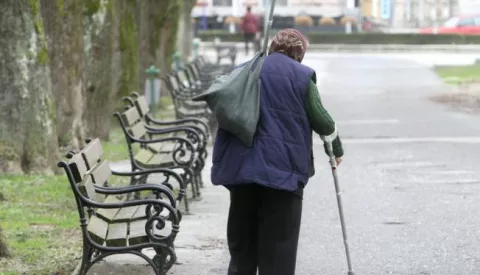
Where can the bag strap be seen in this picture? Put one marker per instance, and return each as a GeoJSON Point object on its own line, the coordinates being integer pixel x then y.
{"type": "Point", "coordinates": [268, 27]}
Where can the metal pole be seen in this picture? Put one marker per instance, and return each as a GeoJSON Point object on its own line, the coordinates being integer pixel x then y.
{"type": "Point", "coordinates": [152, 73]}
{"type": "Point", "coordinates": [328, 140]}
{"type": "Point", "coordinates": [268, 26]}
{"type": "Point", "coordinates": [333, 164]}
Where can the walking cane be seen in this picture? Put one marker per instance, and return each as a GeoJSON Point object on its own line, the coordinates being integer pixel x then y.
{"type": "Point", "coordinates": [333, 164]}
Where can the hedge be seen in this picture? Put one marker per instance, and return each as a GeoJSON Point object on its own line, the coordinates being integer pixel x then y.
{"type": "Point", "coordinates": [361, 38]}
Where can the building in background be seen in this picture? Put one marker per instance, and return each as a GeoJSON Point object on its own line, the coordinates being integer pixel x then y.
{"type": "Point", "coordinates": [392, 13]}
{"type": "Point", "coordinates": [412, 13]}
{"type": "Point", "coordinates": [283, 7]}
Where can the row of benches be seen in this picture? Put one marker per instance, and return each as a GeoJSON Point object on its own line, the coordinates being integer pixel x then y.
{"type": "Point", "coordinates": [166, 157]}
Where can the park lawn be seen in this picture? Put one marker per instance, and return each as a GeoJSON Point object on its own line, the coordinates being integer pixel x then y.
{"type": "Point", "coordinates": [39, 216]}
{"type": "Point", "coordinates": [40, 220]}
{"type": "Point", "coordinates": [41, 225]}
{"type": "Point", "coordinates": [459, 74]}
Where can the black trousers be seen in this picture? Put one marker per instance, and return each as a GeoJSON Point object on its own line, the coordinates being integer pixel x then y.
{"type": "Point", "coordinates": [248, 37]}
{"type": "Point", "coordinates": [263, 230]}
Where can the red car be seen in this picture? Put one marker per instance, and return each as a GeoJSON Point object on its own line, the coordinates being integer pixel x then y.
{"type": "Point", "coordinates": [466, 25]}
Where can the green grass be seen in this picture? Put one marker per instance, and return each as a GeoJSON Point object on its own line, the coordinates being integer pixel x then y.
{"type": "Point", "coordinates": [116, 148]}
{"type": "Point", "coordinates": [39, 217]}
{"type": "Point", "coordinates": [41, 225]}
{"type": "Point", "coordinates": [459, 74]}
{"type": "Point", "coordinates": [40, 220]}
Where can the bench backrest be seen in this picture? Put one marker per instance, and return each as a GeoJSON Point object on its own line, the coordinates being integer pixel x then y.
{"type": "Point", "coordinates": [133, 122]}
{"type": "Point", "coordinates": [194, 68]}
{"type": "Point", "coordinates": [172, 83]}
{"type": "Point", "coordinates": [191, 77]}
{"type": "Point", "coordinates": [88, 168]}
{"type": "Point", "coordinates": [183, 78]}
{"type": "Point", "coordinates": [142, 105]}
{"type": "Point", "coordinates": [85, 169]}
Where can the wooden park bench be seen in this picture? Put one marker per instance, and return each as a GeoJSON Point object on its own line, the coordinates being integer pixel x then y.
{"type": "Point", "coordinates": [149, 148]}
{"type": "Point", "coordinates": [225, 51]}
{"type": "Point", "coordinates": [203, 72]}
{"type": "Point", "coordinates": [185, 107]}
{"type": "Point", "coordinates": [111, 225]}
{"type": "Point", "coordinates": [197, 125]}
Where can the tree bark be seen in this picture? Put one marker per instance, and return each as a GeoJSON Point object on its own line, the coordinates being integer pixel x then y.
{"type": "Point", "coordinates": [64, 29]}
{"type": "Point", "coordinates": [156, 21]}
{"type": "Point", "coordinates": [103, 63]}
{"type": "Point", "coordinates": [27, 132]}
{"type": "Point", "coordinates": [4, 252]}
{"type": "Point", "coordinates": [128, 43]}
{"type": "Point", "coordinates": [185, 30]}
{"type": "Point", "coordinates": [168, 26]}
{"type": "Point", "coordinates": [145, 32]}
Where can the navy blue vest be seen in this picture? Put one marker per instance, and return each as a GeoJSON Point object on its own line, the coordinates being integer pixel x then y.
{"type": "Point", "coordinates": [280, 157]}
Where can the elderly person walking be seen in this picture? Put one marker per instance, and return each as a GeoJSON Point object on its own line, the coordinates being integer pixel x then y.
{"type": "Point", "coordinates": [266, 181]}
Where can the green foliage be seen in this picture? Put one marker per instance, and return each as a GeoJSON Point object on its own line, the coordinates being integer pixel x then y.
{"type": "Point", "coordinates": [360, 38]}
{"type": "Point", "coordinates": [381, 38]}
{"type": "Point", "coordinates": [459, 74]}
{"type": "Point", "coordinates": [38, 218]}
{"type": "Point", "coordinates": [92, 6]}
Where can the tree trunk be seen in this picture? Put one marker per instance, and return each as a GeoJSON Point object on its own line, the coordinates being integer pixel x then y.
{"type": "Point", "coordinates": [64, 29]}
{"type": "Point", "coordinates": [103, 63]}
{"type": "Point", "coordinates": [4, 252]}
{"type": "Point", "coordinates": [27, 132]}
{"type": "Point", "coordinates": [128, 43]}
{"type": "Point", "coordinates": [168, 34]}
{"type": "Point", "coordinates": [185, 30]}
{"type": "Point", "coordinates": [156, 20]}
{"type": "Point", "coordinates": [145, 15]}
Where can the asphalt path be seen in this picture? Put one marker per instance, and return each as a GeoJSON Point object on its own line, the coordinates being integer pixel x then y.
{"type": "Point", "coordinates": [410, 181]}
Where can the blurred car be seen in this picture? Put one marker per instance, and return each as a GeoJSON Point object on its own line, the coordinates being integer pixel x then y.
{"type": "Point", "coordinates": [370, 24]}
{"type": "Point", "coordinates": [466, 25]}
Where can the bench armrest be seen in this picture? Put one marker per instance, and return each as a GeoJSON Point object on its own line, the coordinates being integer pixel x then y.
{"type": "Point", "coordinates": [147, 141]}
{"type": "Point", "coordinates": [190, 130]}
{"type": "Point", "coordinates": [182, 96]}
{"type": "Point", "coordinates": [137, 188]}
{"type": "Point", "coordinates": [195, 104]}
{"type": "Point", "coordinates": [145, 172]}
{"type": "Point", "coordinates": [191, 133]}
{"type": "Point", "coordinates": [180, 121]}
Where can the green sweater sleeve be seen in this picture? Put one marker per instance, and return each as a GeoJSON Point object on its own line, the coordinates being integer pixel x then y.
{"type": "Point", "coordinates": [320, 120]}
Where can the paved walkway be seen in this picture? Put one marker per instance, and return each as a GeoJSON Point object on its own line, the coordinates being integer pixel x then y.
{"type": "Point", "coordinates": [421, 58]}
{"type": "Point", "coordinates": [410, 179]}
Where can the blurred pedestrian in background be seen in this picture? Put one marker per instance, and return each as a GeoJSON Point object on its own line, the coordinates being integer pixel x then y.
{"type": "Point", "coordinates": [250, 27]}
